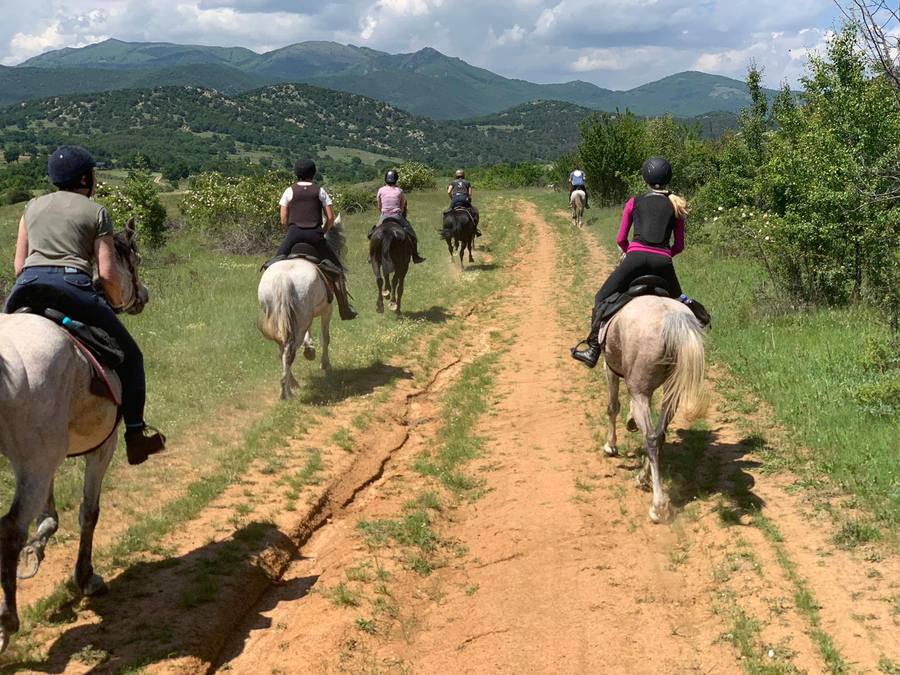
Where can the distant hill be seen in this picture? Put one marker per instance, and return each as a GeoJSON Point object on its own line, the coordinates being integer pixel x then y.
{"type": "Point", "coordinates": [426, 83]}
{"type": "Point", "coordinates": [200, 127]}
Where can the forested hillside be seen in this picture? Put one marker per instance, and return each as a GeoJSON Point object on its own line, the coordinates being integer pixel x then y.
{"type": "Point", "coordinates": [199, 127]}
{"type": "Point", "coordinates": [425, 82]}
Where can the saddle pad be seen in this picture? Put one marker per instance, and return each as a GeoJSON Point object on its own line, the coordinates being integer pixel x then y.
{"type": "Point", "coordinates": [100, 384]}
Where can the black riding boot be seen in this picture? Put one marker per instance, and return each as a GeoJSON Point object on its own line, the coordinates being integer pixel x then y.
{"type": "Point", "coordinates": [142, 442]}
{"type": "Point", "coordinates": [591, 354]}
{"type": "Point", "coordinates": [342, 295]}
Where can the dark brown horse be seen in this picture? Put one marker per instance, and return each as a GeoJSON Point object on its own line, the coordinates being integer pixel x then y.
{"type": "Point", "coordinates": [390, 251]}
{"type": "Point", "coordinates": [459, 232]}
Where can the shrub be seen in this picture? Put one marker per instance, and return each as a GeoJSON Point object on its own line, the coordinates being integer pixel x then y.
{"type": "Point", "coordinates": [241, 213]}
{"type": "Point", "coordinates": [15, 195]}
{"type": "Point", "coordinates": [138, 198]}
{"type": "Point", "coordinates": [508, 176]}
{"type": "Point", "coordinates": [415, 176]}
{"type": "Point", "coordinates": [352, 199]}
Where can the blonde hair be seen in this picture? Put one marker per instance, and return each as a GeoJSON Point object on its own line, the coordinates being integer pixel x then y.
{"type": "Point", "coordinates": [680, 205]}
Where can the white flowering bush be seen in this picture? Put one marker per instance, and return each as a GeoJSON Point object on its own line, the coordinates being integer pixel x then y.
{"type": "Point", "coordinates": [241, 213]}
{"type": "Point", "coordinates": [415, 176]}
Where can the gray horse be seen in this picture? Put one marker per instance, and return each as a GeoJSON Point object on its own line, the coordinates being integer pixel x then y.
{"type": "Point", "coordinates": [654, 342]}
{"type": "Point", "coordinates": [577, 201]}
{"type": "Point", "coordinates": [49, 413]}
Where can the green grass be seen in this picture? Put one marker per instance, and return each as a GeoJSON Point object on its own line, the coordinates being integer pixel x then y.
{"type": "Point", "coordinates": [805, 364]}
{"type": "Point", "coordinates": [205, 357]}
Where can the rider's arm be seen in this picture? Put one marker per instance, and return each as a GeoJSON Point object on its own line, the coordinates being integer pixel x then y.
{"type": "Point", "coordinates": [105, 255]}
{"type": "Point", "coordinates": [378, 199]}
{"type": "Point", "coordinates": [21, 247]}
{"type": "Point", "coordinates": [284, 215]}
{"type": "Point", "coordinates": [329, 217]}
{"type": "Point", "coordinates": [450, 189]}
{"type": "Point", "coordinates": [625, 227]}
{"type": "Point", "coordinates": [403, 204]}
{"type": "Point", "coordinates": [678, 246]}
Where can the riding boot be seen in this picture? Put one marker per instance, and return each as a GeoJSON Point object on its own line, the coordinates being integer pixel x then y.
{"type": "Point", "coordinates": [139, 445]}
{"type": "Point", "coordinates": [415, 254]}
{"type": "Point", "coordinates": [591, 354]}
{"type": "Point", "coordinates": [342, 295]}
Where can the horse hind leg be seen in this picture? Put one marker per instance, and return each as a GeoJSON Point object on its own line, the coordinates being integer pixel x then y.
{"type": "Point", "coordinates": [325, 318]}
{"type": "Point", "coordinates": [471, 243]}
{"type": "Point", "coordinates": [95, 468]}
{"type": "Point", "coordinates": [611, 449]}
{"type": "Point", "coordinates": [379, 281]}
{"type": "Point", "coordinates": [288, 354]}
{"type": "Point", "coordinates": [659, 508]}
{"type": "Point", "coordinates": [32, 487]}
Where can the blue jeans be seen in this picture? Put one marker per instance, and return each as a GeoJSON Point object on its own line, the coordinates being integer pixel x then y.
{"type": "Point", "coordinates": [74, 296]}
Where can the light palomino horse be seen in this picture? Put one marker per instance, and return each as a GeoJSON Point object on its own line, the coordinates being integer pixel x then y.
{"type": "Point", "coordinates": [49, 413]}
{"type": "Point", "coordinates": [577, 201]}
{"type": "Point", "coordinates": [291, 294]}
{"type": "Point", "coordinates": [654, 342]}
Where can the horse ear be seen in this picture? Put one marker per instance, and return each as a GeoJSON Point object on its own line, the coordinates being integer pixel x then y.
{"type": "Point", "coordinates": [337, 221]}
{"type": "Point", "coordinates": [130, 231]}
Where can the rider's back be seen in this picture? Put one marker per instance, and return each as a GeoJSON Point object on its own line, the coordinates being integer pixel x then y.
{"type": "Point", "coordinates": [63, 228]}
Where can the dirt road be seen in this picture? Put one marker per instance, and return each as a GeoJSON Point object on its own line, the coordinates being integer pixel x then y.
{"type": "Point", "coordinates": [531, 553]}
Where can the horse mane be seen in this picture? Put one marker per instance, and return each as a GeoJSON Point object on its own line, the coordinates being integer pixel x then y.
{"type": "Point", "coordinates": [337, 239]}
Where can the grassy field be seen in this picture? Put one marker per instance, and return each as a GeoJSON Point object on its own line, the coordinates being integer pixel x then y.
{"type": "Point", "coordinates": [805, 365]}
{"type": "Point", "coordinates": [206, 361]}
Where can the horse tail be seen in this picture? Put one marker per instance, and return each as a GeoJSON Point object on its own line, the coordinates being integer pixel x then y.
{"type": "Point", "coordinates": [453, 225]}
{"type": "Point", "coordinates": [276, 310]}
{"type": "Point", "coordinates": [683, 340]}
{"type": "Point", "coordinates": [337, 238]}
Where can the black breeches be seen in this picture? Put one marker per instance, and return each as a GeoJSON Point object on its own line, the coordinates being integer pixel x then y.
{"type": "Point", "coordinates": [313, 236]}
{"type": "Point", "coordinates": [635, 265]}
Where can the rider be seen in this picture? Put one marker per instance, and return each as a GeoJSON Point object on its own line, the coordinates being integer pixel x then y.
{"type": "Point", "coordinates": [578, 181]}
{"type": "Point", "coordinates": [392, 205]}
{"type": "Point", "coordinates": [63, 237]}
{"type": "Point", "coordinates": [302, 206]}
{"type": "Point", "coordinates": [657, 217]}
{"type": "Point", "coordinates": [460, 193]}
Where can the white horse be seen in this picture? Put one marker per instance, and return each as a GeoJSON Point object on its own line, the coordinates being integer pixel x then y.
{"type": "Point", "coordinates": [291, 294]}
{"type": "Point", "coordinates": [48, 413]}
{"type": "Point", "coordinates": [577, 200]}
{"type": "Point", "coordinates": [654, 342]}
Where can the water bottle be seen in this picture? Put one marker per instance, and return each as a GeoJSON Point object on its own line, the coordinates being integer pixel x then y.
{"type": "Point", "coordinates": [72, 323]}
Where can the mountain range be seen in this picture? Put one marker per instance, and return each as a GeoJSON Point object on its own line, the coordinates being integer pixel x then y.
{"type": "Point", "coordinates": [426, 83]}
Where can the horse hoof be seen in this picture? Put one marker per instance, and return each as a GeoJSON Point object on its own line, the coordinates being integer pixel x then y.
{"type": "Point", "coordinates": [309, 353]}
{"type": "Point", "coordinates": [610, 450]}
{"type": "Point", "coordinates": [631, 425]}
{"type": "Point", "coordinates": [326, 365]}
{"type": "Point", "coordinates": [660, 515]}
{"type": "Point", "coordinates": [379, 309]}
{"type": "Point", "coordinates": [4, 641]}
{"type": "Point", "coordinates": [94, 586]}
{"type": "Point", "coordinates": [385, 294]}
{"type": "Point", "coordinates": [394, 307]}
{"type": "Point", "coordinates": [29, 562]}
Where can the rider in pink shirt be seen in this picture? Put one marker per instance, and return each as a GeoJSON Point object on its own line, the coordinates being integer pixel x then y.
{"type": "Point", "coordinates": [392, 206]}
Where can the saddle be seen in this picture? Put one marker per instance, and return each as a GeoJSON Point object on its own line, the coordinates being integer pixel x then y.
{"type": "Point", "coordinates": [649, 284]}
{"type": "Point", "coordinates": [98, 347]}
{"type": "Point", "coordinates": [330, 272]}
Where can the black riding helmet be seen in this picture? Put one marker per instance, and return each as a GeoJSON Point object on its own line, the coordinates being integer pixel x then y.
{"type": "Point", "coordinates": [657, 172]}
{"type": "Point", "coordinates": [68, 164]}
{"type": "Point", "coordinates": [305, 169]}
{"type": "Point", "coordinates": [391, 177]}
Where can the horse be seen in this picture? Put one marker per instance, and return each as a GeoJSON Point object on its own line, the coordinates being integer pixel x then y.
{"type": "Point", "coordinates": [459, 232]}
{"type": "Point", "coordinates": [49, 413]}
{"type": "Point", "coordinates": [654, 342]}
{"type": "Point", "coordinates": [577, 200]}
{"type": "Point", "coordinates": [390, 251]}
{"type": "Point", "coordinates": [291, 294]}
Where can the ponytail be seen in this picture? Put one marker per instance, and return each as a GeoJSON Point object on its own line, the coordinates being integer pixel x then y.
{"type": "Point", "coordinates": [680, 205]}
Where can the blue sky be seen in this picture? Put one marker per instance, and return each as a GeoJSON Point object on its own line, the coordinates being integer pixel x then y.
{"type": "Point", "coordinates": [613, 43]}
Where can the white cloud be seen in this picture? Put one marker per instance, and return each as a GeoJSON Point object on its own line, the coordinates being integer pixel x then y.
{"type": "Point", "coordinates": [614, 43]}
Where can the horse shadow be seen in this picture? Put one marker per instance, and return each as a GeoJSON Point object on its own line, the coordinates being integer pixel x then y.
{"type": "Point", "coordinates": [339, 383]}
{"type": "Point", "coordinates": [483, 267]}
{"type": "Point", "coordinates": [433, 314]}
{"type": "Point", "coordinates": [174, 608]}
{"type": "Point", "coordinates": [697, 464]}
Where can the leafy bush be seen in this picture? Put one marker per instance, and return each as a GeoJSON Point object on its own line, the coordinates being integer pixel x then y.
{"type": "Point", "coordinates": [352, 199]}
{"type": "Point", "coordinates": [14, 195]}
{"type": "Point", "coordinates": [415, 176]}
{"type": "Point", "coordinates": [508, 176]}
{"type": "Point", "coordinates": [241, 213]}
{"type": "Point", "coordinates": [138, 198]}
